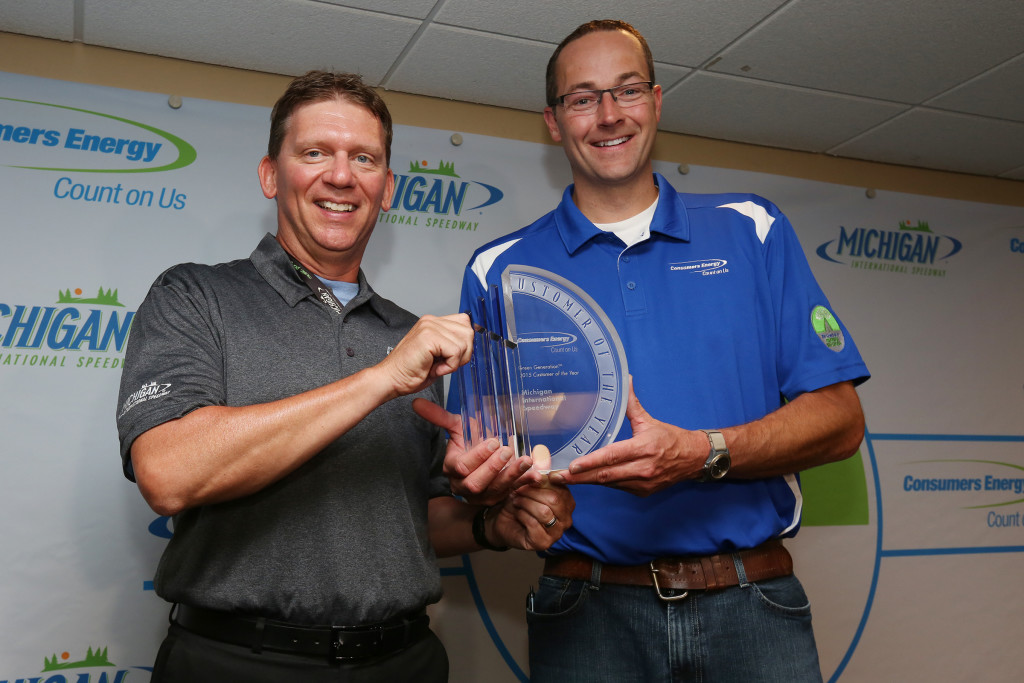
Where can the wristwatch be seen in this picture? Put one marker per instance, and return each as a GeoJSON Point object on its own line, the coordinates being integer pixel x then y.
{"type": "Point", "coordinates": [719, 460]}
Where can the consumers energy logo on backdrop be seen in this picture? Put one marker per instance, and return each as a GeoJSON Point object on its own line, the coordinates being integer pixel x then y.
{"type": "Point", "coordinates": [989, 485]}
{"type": "Point", "coordinates": [76, 332]}
{"type": "Point", "coordinates": [95, 667]}
{"type": "Point", "coordinates": [439, 198]}
{"type": "Point", "coordinates": [83, 141]}
{"type": "Point", "coordinates": [912, 249]}
{"type": "Point", "coordinates": [71, 142]}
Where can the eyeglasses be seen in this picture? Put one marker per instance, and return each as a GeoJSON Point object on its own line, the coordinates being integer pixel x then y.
{"type": "Point", "coordinates": [587, 101]}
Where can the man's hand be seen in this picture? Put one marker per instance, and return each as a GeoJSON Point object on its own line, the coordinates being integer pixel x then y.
{"type": "Point", "coordinates": [815, 428]}
{"type": "Point", "coordinates": [434, 347]}
{"type": "Point", "coordinates": [657, 456]}
{"type": "Point", "coordinates": [532, 519]}
{"type": "Point", "coordinates": [483, 474]}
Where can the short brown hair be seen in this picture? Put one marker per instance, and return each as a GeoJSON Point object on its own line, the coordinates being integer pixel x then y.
{"type": "Point", "coordinates": [317, 86]}
{"type": "Point", "coordinates": [551, 87]}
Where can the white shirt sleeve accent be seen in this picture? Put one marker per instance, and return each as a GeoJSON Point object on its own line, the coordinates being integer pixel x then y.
{"type": "Point", "coordinates": [798, 507]}
{"type": "Point", "coordinates": [485, 259]}
{"type": "Point", "coordinates": [755, 212]}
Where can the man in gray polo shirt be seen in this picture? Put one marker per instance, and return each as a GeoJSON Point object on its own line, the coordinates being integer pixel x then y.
{"type": "Point", "coordinates": [266, 404]}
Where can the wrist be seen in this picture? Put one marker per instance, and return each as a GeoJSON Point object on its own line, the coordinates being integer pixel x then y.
{"type": "Point", "coordinates": [380, 382]}
{"type": "Point", "coordinates": [719, 460]}
{"type": "Point", "coordinates": [480, 524]}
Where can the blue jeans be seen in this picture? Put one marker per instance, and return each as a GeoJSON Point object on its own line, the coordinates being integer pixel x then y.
{"type": "Point", "coordinates": [586, 632]}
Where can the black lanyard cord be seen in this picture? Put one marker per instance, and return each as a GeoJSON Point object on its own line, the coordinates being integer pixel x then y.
{"type": "Point", "coordinates": [322, 292]}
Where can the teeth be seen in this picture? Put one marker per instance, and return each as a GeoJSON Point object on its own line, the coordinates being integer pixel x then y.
{"type": "Point", "coordinates": [331, 206]}
{"type": "Point", "coordinates": [612, 143]}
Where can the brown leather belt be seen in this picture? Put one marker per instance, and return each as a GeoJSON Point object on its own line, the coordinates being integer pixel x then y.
{"type": "Point", "coordinates": [767, 561]}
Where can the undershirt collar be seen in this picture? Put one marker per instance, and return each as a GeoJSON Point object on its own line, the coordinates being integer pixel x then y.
{"type": "Point", "coordinates": [343, 291]}
{"type": "Point", "coordinates": [635, 228]}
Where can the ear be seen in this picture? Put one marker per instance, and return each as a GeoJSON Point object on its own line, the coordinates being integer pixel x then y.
{"type": "Point", "coordinates": [267, 171]}
{"type": "Point", "coordinates": [389, 192]}
{"type": "Point", "coordinates": [657, 102]}
{"type": "Point", "coordinates": [552, 123]}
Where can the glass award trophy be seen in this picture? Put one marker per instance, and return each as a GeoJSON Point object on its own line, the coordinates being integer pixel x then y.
{"type": "Point", "coordinates": [555, 374]}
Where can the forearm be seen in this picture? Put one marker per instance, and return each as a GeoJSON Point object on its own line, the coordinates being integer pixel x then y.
{"type": "Point", "coordinates": [450, 525]}
{"type": "Point", "coordinates": [815, 428]}
{"type": "Point", "coordinates": [219, 453]}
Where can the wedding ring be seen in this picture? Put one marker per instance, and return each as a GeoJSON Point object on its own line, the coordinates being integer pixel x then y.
{"type": "Point", "coordinates": [551, 523]}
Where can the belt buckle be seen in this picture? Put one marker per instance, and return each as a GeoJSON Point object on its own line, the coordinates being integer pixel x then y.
{"type": "Point", "coordinates": [657, 588]}
{"type": "Point", "coordinates": [345, 640]}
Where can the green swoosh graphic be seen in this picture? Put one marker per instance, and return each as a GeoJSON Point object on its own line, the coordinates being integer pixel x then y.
{"type": "Point", "coordinates": [186, 152]}
{"type": "Point", "coordinates": [984, 462]}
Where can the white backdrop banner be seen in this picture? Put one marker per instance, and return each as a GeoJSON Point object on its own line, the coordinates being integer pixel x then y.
{"type": "Point", "coordinates": [909, 550]}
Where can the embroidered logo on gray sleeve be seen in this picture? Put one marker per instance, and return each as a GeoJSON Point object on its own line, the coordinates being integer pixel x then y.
{"type": "Point", "coordinates": [148, 392]}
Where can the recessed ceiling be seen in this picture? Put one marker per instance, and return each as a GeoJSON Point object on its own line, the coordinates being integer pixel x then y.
{"type": "Point", "coordinates": [927, 83]}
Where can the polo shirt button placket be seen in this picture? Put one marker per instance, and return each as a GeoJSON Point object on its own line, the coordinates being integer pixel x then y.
{"type": "Point", "coordinates": [632, 292]}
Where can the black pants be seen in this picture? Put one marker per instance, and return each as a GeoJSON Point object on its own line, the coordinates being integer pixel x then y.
{"type": "Point", "coordinates": [185, 657]}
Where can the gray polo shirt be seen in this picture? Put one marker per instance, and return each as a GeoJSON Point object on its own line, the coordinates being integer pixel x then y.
{"type": "Point", "coordinates": [342, 539]}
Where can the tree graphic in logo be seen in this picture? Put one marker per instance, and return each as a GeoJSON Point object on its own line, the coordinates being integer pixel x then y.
{"type": "Point", "coordinates": [443, 168]}
{"type": "Point", "coordinates": [104, 298]}
{"type": "Point", "coordinates": [92, 658]}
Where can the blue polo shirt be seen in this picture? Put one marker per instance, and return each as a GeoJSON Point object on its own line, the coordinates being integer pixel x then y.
{"type": "Point", "coordinates": [721, 320]}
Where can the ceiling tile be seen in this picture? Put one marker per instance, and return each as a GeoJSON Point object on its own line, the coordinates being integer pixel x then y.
{"type": "Point", "coordinates": [812, 71]}
{"type": "Point", "coordinates": [418, 9]}
{"type": "Point", "coordinates": [276, 36]}
{"type": "Point", "coordinates": [44, 18]}
{"type": "Point", "coordinates": [751, 111]}
{"type": "Point", "coordinates": [942, 140]}
{"type": "Point", "coordinates": [898, 50]}
{"type": "Point", "coordinates": [466, 65]}
{"type": "Point", "coordinates": [998, 93]}
{"type": "Point", "coordinates": [686, 32]}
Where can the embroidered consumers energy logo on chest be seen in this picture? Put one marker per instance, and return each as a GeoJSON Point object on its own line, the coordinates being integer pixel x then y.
{"type": "Point", "coordinates": [714, 266]}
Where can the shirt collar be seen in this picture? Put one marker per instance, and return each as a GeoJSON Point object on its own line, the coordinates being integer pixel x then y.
{"type": "Point", "coordinates": [274, 265]}
{"type": "Point", "coordinates": [670, 218]}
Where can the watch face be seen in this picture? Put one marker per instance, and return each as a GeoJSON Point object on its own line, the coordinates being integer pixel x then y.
{"type": "Point", "coordinates": [719, 466]}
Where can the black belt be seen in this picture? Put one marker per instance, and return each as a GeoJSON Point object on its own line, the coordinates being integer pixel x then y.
{"type": "Point", "coordinates": [331, 642]}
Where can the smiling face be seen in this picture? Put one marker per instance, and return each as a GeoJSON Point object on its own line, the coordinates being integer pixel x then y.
{"type": "Point", "coordinates": [611, 147]}
{"type": "Point", "coordinates": [331, 180]}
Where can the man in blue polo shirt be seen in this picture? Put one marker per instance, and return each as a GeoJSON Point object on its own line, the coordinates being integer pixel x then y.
{"type": "Point", "coordinates": [742, 376]}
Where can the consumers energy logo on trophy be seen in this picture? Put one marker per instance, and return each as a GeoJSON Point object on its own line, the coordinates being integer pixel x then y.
{"type": "Point", "coordinates": [95, 667]}
{"type": "Point", "coordinates": [438, 197]}
{"type": "Point", "coordinates": [76, 332]}
{"type": "Point", "coordinates": [912, 249]}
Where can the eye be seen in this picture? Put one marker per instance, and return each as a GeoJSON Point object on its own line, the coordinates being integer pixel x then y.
{"type": "Point", "coordinates": [314, 154]}
{"type": "Point", "coordinates": [363, 159]}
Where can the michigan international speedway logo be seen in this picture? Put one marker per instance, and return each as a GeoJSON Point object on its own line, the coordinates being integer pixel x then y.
{"type": "Point", "coordinates": [76, 332]}
{"type": "Point", "coordinates": [95, 667]}
{"type": "Point", "coordinates": [437, 197]}
{"type": "Point", "coordinates": [911, 250]}
{"type": "Point", "coordinates": [75, 144]}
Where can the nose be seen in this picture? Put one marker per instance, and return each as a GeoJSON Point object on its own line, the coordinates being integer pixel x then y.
{"type": "Point", "coordinates": [608, 108]}
{"type": "Point", "coordinates": [339, 173]}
